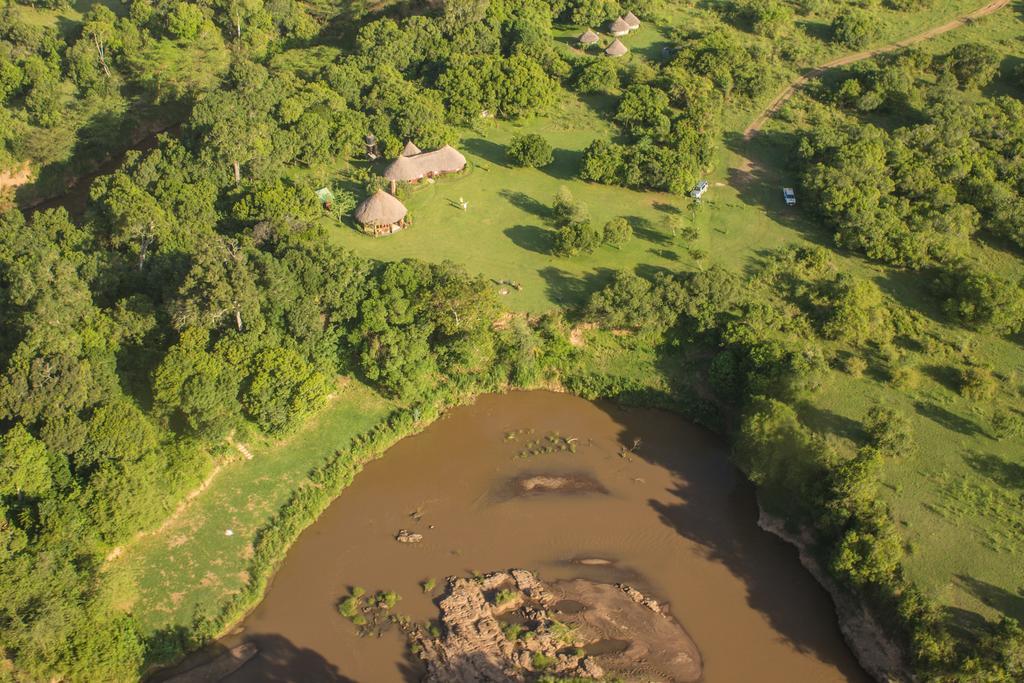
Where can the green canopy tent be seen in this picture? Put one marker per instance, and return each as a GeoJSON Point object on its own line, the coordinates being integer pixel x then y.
{"type": "Point", "coordinates": [326, 197]}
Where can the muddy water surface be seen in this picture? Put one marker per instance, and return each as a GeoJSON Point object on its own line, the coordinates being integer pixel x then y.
{"type": "Point", "coordinates": [675, 520]}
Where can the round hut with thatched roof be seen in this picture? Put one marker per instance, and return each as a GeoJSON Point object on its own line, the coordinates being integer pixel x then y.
{"type": "Point", "coordinates": [631, 21]}
{"type": "Point", "coordinates": [381, 214]}
{"type": "Point", "coordinates": [409, 169]}
{"type": "Point", "coordinates": [588, 38]}
{"type": "Point", "coordinates": [619, 27]}
{"type": "Point", "coordinates": [616, 49]}
{"type": "Point", "coordinates": [411, 150]}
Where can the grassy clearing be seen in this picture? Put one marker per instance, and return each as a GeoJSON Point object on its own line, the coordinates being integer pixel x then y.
{"type": "Point", "coordinates": [958, 499]}
{"type": "Point", "coordinates": [191, 567]}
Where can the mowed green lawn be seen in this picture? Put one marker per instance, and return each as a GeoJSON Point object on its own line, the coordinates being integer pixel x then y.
{"type": "Point", "coordinates": [505, 233]}
{"type": "Point", "coordinates": [190, 566]}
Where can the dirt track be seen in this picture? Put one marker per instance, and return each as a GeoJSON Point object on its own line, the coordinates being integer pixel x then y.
{"type": "Point", "coordinates": [790, 89]}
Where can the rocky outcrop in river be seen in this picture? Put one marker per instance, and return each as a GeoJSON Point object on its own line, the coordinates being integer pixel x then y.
{"type": "Point", "coordinates": [508, 626]}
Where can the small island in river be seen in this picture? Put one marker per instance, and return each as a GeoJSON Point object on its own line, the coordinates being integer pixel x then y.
{"type": "Point", "coordinates": [508, 626]}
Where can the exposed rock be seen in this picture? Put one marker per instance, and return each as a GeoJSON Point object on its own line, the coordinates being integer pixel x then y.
{"type": "Point", "coordinates": [474, 646]}
{"type": "Point", "coordinates": [406, 536]}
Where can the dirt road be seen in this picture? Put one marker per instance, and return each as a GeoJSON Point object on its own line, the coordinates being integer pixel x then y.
{"type": "Point", "coordinates": [790, 89]}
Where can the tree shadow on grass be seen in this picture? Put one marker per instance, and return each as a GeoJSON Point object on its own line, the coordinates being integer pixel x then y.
{"type": "Point", "coordinates": [665, 207]}
{"type": "Point", "coordinates": [490, 152]}
{"type": "Point", "coordinates": [945, 375]}
{"type": "Point", "coordinates": [532, 238]}
{"type": "Point", "coordinates": [571, 290]}
{"type": "Point", "coordinates": [666, 254]}
{"type": "Point", "coordinates": [645, 230]}
{"type": "Point", "coordinates": [566, 164]}
{"type": "Point", "coordinates": [525, 202]}
{"type": "Point", "coordinates": [947, 419]}
{"type": "Point", "coordinates": [1009, 475]}
{"type": "Point", "coordinates": [821, 419]}
{"type": "Point", "coordinates": [1008, 603]}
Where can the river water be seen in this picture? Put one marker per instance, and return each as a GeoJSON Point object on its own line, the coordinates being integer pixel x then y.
{"type": "Point", "coordinates": [677, 520]}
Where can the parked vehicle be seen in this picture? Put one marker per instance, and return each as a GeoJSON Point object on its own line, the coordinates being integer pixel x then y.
{"type": "Point", "coordinates": [789, 195]}
{"type": "Point", "coordinates": [699, 190]}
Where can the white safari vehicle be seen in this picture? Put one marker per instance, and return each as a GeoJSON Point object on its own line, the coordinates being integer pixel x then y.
{"type": "Point", "coordinates": [789, 195]}
{"type": "Point", "coordinates": [699, 190]}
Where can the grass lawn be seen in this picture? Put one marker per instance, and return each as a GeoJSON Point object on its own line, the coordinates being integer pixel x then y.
{"type": "Point", "coordinates": [190, 566]}
{"type": "Point", "coordinates": [505, 232]}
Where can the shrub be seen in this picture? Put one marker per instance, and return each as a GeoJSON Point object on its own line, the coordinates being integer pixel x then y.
{"type": "Point", "coordinates": [617, 232]}
{"type": "Point", "coordinates": [854, 29]}
{"type": "Point", "coordinates": [889, 431]}
{"type": "Point", "coordinates": [977, 383]}
{"type": "Point", "coordinates": [530, 150]}
{"type": "Point", "coordinates": [578, 237]}
{"type": "Point", "coordinates": [597, 76]}
{"type": "Point", "coordinates": [1007, 424]}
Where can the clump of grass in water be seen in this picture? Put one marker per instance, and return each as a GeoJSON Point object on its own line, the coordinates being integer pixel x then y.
{"type": "Point", "coordinates": [548, 444]}
{"type": "Point", "coordinates": [373, 615]}
{"type": "Point", "coordinates": [428, 585]}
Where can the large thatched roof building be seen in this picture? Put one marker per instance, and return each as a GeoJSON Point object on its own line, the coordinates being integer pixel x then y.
{"type": "Point", "coordinates": [616, 49]}
{"type": "Point", "coordinates": [619, 27]}
{"type": "Point", "coordinates": [631, 21]}
{"type": "Point", "coordinates": [411, 150]}
{"type": "Point", "coordinates": [588, 37]}
{"type": "Point", "coordinates": [425, 165]}
{"type": "Point", "coordinates": [381, 214]}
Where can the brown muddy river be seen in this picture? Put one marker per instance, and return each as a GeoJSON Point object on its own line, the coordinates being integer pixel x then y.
{"type": "Point", "coordinates": [676, 520]}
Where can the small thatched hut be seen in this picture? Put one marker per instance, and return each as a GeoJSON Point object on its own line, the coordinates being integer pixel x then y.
{"type": "Point", "coordinates": [631, 20]}
{"type": "Point", "coordinates": [411, 150]}
{"type": "Point", "coordinates": [588, 37]}
{"type": "Point", "coordinates": [616, 49]}
{"type": "Point", "coordinates": [409, 169]}
{"type": "Point", "coordinates": [619, 27]}
{"type": "Point", "coordinates": [381, 214]}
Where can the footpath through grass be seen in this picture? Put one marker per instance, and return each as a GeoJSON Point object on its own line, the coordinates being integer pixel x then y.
{"type": "Point", "coordinates": [191, 566]}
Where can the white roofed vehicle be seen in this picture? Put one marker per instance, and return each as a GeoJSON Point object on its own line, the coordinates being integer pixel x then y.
{"type": "Point", "coordinates": [789, 195]}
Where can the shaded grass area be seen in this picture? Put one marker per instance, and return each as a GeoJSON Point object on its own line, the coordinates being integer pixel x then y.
{"type": "Point", "coordinates": [191, 567]}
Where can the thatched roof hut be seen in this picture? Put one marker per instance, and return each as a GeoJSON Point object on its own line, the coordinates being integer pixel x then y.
{"type": "Point", "coordinates": [619, 27]}
{"type": "Point", "coordinates": [631, 20]}
{"type": "Point", "coordinates": [425, 165]}
{"type": "Point", "coordinates": [380, 210]}
{"type": "Point", "coordinates": [588, 37]}
{"type": "Point", "coordinates": [616, 49]}
{"type": "Point", "coordinates": [411, 150]}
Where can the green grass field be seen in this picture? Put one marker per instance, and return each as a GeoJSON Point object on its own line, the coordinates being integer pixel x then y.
{"type": "Point", "coordinates": [190, 566]}
{"type": "Point", "coordinates": [958, 498]}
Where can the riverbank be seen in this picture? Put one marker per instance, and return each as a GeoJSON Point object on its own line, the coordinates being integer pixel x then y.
{"type": "Point", "coordinates": [882, 658]}
{"type": "Point", "coordinates": [678, 522]}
